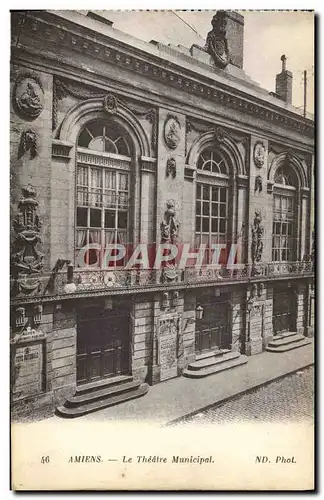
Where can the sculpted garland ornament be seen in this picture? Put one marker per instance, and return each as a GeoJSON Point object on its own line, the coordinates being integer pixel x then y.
{"type": "Point", "coordinates": [28, 142]}
{"type": "Point", "coordinates": [28, 96]}
{"type": "Point", "coordinates": [171, 168]}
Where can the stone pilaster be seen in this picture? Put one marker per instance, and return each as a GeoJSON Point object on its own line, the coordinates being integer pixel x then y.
{"type": "Point", "coordinates": [237, 313]}
{"type": "Point", "coordinates": [301, 308]}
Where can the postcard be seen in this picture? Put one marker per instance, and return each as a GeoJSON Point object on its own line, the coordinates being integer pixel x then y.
{"type": "Point", "coordinates": [162, 231]}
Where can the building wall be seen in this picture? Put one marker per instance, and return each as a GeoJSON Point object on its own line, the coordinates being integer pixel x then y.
{"type": "Point", "coordinates": [24, 169]}
{"type": "Point", "coordinates": [151, 101]}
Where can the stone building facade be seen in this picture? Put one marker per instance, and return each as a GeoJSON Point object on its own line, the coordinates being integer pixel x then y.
{"type": "Point", "coordinates": [117, 141]}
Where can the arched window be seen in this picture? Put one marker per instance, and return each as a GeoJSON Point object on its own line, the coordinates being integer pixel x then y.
{"type": "Point", "coordinates": [284, 234]}
{"type": "Point", "coordinates": [103, 138]}
{"type": "Point", "coordinates": [102, 189]}
{"type": "Point", "coordinates": [212, 200]}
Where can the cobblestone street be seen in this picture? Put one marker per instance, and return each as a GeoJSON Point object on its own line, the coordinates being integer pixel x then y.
{"type": "Point", "coordinates": [288, 399]}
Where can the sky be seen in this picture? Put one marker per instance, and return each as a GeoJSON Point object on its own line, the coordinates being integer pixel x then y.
{"type": "Point", "coordinates": [267, 35]}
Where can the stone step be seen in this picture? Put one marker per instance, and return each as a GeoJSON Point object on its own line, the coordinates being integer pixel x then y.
{"type": "Point", "coordinates": [106, 392]}
{"type": "Point", "coordinates": [212, 360]}
{"type": "Point", "coordinates": [288, 347]}
{"type": "Point", "coordinates": [100, 384]}
{"type": "Point", "coordinates": [216, 368]}
{"type": "Point", "coordinates": [285, 335]}
{"type": "Point", "coordinates": [101, 404]}
{"type": "Point", "coordinates": [210, 354]}
{"type": "Point", "coordinates": [285, 341]}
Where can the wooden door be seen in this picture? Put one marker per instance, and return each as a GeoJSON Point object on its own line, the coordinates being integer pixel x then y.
{"type": "Point", "coordinates": [284, 311]}
{"type": "Point", "coordinates": [213, 330]}
{"type": "Point", "coordinates": [102, 345]}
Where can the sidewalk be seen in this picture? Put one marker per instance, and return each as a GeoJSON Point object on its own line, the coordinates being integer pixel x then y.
{"type": "Point", "coordinates": [179, 397]}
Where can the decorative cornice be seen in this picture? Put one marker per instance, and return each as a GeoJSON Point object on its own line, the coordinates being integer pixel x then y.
{"type": "Point", "coordinates": [148, 165]}
{"type": "Point", "coordinates": [232, 98]}
{"type": "Point", "coordinates": [269, 187]}
{"type": "Point", "coordinates": [189, 173]}
{"type": "Point", "coordinates": [305, 192]}
{"type": "Point", "coordinates": [61, 150]}
{"type": "Point", "coordinates": [242, 181]}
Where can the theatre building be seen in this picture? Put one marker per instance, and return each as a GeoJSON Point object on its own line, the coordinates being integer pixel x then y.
{"type": "Point", "coordinates": [116, 142]}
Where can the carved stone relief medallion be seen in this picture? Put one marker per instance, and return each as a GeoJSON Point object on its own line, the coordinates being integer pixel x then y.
{"type": "Point", "coordinates": [259, 154]}
{"type": "Point", "coordinates": [110, 104]}
{"type": "Point", "coordinates": [172, 132]}
{"type": "Point", "coordinates": [28, 96]}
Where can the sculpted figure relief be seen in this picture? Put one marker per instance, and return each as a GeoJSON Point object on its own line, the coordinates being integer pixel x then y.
{"type": "Point", "coordinates": [29, 96]}
{"type": "Point", "coordinates": [257, 236]}
{"type": "Point", "coordinates": [216, 43]}
{"type": "Point", "coordinates": [169, 226]}
{"type": "Point", "coordinates": [259, 154]}
{"type": "Point", "coordinates": [172, 131]}
{"type": "Point", "coordinates": [169, 231]}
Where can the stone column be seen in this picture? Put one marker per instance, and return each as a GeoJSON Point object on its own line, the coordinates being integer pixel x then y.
{"type": "Point", "coordinates": [169, 350]}
{"type": "Point", "coordinates": [237, 299]}
{"type": "Point", "coordinates": [62, 351]}
{"type": "Point", "coordinates": [142, 337]}
{"type": "Point", "coordinates": [189, 328]}
{"type": "Point", "coordinates": [268, 315]}
{"type": "Point", "coordinates": [301, 308]}
{"type": "Point", "coordinates": [255, 319]}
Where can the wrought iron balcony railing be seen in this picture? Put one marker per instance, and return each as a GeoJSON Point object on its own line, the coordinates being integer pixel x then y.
{"type": "Point", "coordinates": [87, 281]}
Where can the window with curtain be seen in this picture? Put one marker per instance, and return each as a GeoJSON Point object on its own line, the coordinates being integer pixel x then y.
{"type": "Point", "coordinates": [102, 192]}
{"type": "Point", "coordinates": [284, 243]}
{"type": "Point", "coordinates": [212, 200]}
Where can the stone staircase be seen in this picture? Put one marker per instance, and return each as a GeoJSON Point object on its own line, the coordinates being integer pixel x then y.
{"type": "Point", "coordinates": [214, 362]}
{"type": "Point", "coordinates": [286, 342]}
{"type": "Point", "coordinates": [98, 395]}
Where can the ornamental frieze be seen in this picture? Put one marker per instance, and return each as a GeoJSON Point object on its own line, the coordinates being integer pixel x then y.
{"type": "Point", "coordinates": [96, 49]}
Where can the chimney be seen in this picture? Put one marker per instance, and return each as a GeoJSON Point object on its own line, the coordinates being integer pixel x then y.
{"type": "Point", "coordinates": [235, 37]}
{"type": "Point", "coordinates": [284, 82]}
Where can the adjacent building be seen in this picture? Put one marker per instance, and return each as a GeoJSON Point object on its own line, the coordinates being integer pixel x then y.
{"type": "Point", "coordinates": [117, 147]}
